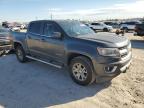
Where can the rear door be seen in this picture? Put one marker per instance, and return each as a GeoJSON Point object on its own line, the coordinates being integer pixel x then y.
{"type": "Point", "coordinates": [34, 38]}
{"type": "Point", "coordinates": [53, 47]}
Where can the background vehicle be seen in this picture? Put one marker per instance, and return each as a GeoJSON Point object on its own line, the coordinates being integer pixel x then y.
{"type": "Point", "coordinates": [5, 24]}
{"type": "Point", "coordinates": [88, 55]}
{"type": "Point", "coordinates": [139, 29]}
{"type": "Point", "coordinates": [16, 28]}
{"type": "Point", "coordinates": [113, 24]}
{"type": "Point", "coordinates": [5, 41]}
{"type": "Point", "coordinates": [23, 26]}
{"type": "Point", "coordinates": [129, 26]}
{"type": "Point", "coordinates": [101, 26]}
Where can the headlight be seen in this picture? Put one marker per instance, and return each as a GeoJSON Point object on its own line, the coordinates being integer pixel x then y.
{"type": "Point", "coordinates": [113, 52]}
{"type": "Point", "coordinates": [129, 47]}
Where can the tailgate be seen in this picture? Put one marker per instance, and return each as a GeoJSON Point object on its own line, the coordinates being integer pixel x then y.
{"type": "Point", "coordinates": [4, 41]}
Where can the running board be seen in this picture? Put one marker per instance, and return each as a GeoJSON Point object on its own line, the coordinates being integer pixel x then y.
{"type": "Point", "coordinates": [57, 66]}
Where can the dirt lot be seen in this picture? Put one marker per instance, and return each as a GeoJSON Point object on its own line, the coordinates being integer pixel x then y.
{"type": "Point", "coordinates": [36, 85]}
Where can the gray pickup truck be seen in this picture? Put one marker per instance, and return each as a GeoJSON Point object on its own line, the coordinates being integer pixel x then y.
{"type": "Point", "coordinates": [89, 56]}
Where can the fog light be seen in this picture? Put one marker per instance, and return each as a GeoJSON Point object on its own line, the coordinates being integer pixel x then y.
{"type": "Point", "coordinates": [110, 69]}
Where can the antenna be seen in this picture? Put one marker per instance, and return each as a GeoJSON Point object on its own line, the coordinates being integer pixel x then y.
{"type": "Point", "coordinates": [51, 16]}
{"type": "Point", "coordinates": [36, 18]}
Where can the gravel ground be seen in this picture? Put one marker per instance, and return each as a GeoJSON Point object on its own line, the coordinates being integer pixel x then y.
{"type": "Point", "coordinates": [36, 85]}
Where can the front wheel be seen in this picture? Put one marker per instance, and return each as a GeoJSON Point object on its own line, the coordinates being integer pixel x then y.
{"type": "Point", "coordinates": [20, 53]}
{"type": "Point", "coordinates": [81, 71]}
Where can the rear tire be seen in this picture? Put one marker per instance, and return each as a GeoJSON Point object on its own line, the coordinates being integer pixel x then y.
{"type": "Point", "coordinates": [81, 71]}
{"type": "Point", "coordinates": [125, 29]}
{"type": "Point", "coordinates": [21, 55]}
{"type": "Point", "coordinates": [105, 30]}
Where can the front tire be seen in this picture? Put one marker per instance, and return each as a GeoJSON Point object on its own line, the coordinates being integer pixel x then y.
{"type": "Point", "coordinates": [20, 53]}
{"type": "Point", "coordinates": [81, 71]}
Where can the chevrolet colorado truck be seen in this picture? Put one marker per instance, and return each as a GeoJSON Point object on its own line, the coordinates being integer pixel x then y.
{"type": "Point", "coordinates": [89, 56]}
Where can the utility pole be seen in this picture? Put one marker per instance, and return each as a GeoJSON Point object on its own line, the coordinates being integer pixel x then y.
{"type": "Point", "coordinates": [36, 18]}
{"type": "Point", "coordinates": [51, 16]}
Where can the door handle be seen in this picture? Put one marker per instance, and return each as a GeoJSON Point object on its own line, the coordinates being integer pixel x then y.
{"type": "Point", "coordinates": [29, 37]}
{"type": "Point", "coordinates": [43, 39]}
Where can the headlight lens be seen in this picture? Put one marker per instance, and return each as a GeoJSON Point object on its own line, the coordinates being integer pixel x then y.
{"type": "Point", "coordinates": [129, 47]}
{"type": "Point", "coordinates": [113, 52]}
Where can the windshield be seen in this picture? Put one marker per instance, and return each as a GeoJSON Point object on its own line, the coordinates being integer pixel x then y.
{"type": "Point", "coordinates": [75, 28]}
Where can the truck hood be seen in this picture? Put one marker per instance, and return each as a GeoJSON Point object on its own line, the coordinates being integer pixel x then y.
{"type": "Point", "coordinates": [108, 39]}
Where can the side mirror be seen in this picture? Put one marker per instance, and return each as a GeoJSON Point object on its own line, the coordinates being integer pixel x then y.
{"type": "Point", "coordinates": [57, 35]}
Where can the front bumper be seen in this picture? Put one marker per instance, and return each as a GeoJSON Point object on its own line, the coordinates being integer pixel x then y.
{"type": "Point", "coordinates": [120, 66]}
{"type": "Point", "coordinates": [125, 67]}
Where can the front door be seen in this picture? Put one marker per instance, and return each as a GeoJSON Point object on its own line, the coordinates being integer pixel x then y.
{"type": "Point", "coordinates": [53, 47]}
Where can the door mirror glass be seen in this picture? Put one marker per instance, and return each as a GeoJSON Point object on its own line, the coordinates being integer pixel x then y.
{"type": "Point", "coordinates": [57, 35]}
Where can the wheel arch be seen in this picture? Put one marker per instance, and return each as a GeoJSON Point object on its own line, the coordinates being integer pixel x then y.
{"type": "Point", "coordinates": [87, 60]}
{"type": "Point", "coordinates": [16, 44]}
{"type": "Point", "coordinates": [73, 55]}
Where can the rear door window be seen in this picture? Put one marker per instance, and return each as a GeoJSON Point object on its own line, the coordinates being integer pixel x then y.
{"type": "Point", "coordinates": [35, 27]}
{"type": "Point", "coordinates": [131, 23]}
{"type": "Point", "coordinates": [95, 24]}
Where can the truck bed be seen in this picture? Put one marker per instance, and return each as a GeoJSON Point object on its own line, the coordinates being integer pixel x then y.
{"type": "Point", "coordinates": [18, 36]}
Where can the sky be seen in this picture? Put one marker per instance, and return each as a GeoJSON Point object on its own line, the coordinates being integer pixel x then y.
{"type": "Point", "coordinates": [28, 10]}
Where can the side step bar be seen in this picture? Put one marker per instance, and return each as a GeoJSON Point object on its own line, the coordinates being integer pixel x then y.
{"type": "Point", "coordinates": [57, 66]}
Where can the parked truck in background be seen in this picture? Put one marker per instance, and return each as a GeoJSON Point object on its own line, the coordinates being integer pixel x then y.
{"type": "Point", "coordinates": [129, 26]}
{"type": "Point", "coordinates": [139, 29]}
{"type": "Point", "coordinates": [101, 26]}
{"type": "Point", "coordinates": [115, 25]}
{"type": "Point", "coordinates": [65, 43]}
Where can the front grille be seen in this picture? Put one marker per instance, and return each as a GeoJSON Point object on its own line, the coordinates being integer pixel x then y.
{"type": "Point", "coordinates": [124, 51]}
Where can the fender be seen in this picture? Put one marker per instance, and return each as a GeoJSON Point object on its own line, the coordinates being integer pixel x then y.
{"type": "Point", "coordinates": [19, 42]}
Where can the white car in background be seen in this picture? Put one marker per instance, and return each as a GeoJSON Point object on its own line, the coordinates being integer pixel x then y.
{"type": "Point", "coordinates": [16, 28]}
{"type": "Point", "coordinates": [101, 26]}
{"type": "Point", "coordinates": [129, 26]}
{"type": "Point", "coordinates": [23, 26]}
